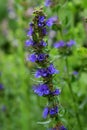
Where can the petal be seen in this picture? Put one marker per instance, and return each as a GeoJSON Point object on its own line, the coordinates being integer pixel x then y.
{"type": "Point", "coordinates": [48, 3]}
{"type": "Point", "coordinates": [32, 58]}
{"type": "Point", "coordinates": [71, 43]}
{"type": "Point", "coordinates": [37, 74]}
{"type": "Point", "coordinates": [28, 42]}
{"type": "Point", "coordinates": [56, 92]}
{"type": "Point", "coordinates": [59, 44]}
{"type": "Point", "coordinates": [45, 112]}
{"type": "Point", "coordinates": [51, 21]}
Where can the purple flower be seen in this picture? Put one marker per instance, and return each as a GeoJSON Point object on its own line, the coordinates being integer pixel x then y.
{"type": "Point", "coordinates": [45, 112]}
{"type": "Point", "coordinates": [75, 73]}
{"type": "Point", "coordinates": [53, 111]}
{"type": "Point", "coordinates": [41, 90]}
{"type": "Point", "coordinates": [32, 58]}
{"type": "Point", "coordinates": [42, 43]}
{"type": "Point", "coordinates": [70, 43]}
{"type": "Point", "coordinates": [48, 3]}
{"type": "Point", "coordinates": [59, 44]}
{"type": "Point", "coordinates": [50, 111]}
{"type": "Point", "coordinates": [31, 30]}
{"type": "Point", "coordinates": [1, 87]}
{"type": "Point", "coordinates": [45, 72]}
{"type": "Point", "coordinates": [40, 24]}
{"type": "Point", "coordinates": [37, 57]}
{"type": "Point", "coordinates": [51, 21]}
{"type": "Point", "coordinates": [41, 57]}
{"type": "Point", "coordinates": [44, 31]}
{"type": "Point", "coordinates": [41, 72]}
{"type": "Point", "coordinates": [28, 42]}
{"type": "Point", "coordinates": [56, 92]}
{"type": "Point", "coordinates": [41, 21]}
{"type": "Point", "coordinates": [62, 128]}
{"type": "Point", "coordinates": [38, 73]}
{"type": "Point", "coordinates": [51, 70]}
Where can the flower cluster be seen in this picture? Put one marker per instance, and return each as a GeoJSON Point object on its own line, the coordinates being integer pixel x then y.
{"type": "Point", "coordinates": [51, 111]}
{"type": "Point", "coordinates": [61, 44]}
{"type": "Point", "coordinates": [46, 69]}
{"type": "Point", "coordinates": [65, 47]}
{"type": "Point", "coordinates": [39, 55]}
{"type": "Point", "coordinates": [46, 72]}
{"type": "Point", "coordinates": [43, 90]}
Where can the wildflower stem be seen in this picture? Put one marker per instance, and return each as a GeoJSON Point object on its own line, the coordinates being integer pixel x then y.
{"type": "Point", "coordinates": [72, 94]}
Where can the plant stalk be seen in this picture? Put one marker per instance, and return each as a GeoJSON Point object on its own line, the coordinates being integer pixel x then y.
{"type": "Point", "coordinates": [72, 94]}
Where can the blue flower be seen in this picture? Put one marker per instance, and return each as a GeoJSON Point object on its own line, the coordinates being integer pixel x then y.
{"type": "Point", "coordinates": [32, 58]}
{"type": "Point", "coordinates": [75, 72]}
{"type": "Point", "coordinates": [45, 112]}
{"type": "Point", "coordinates": [70, 43]}
{"type": "Point", "coordinates": [41, 21]}
{"type": "Point", "coordinates": [29, 42]}
{"type": "Point", "coordinates": [45, 72]}
{"type": "Point", "coordinates": [51, 70]}
{"type": "Point", "coordinates": [37, 57]}
{"type": "Point", "coordinates": [1, 87]}
{"type": "Point", "coordinates": [31, 30]}
{"type": "Point", "coordinates": [56, 92]}
{"type": "Point", "coordinates": [48, 3]}
{"type": "Point", "coordinates": [40, 24]}
{"type": "Point", "coordinates": [53, 111]}
{"type": "Point", "coordinates": [42, 43]}
{"type": "Point", "coordinates": [41, 72]}
{"type": "Point", "coordinates": [51, 21]}
{"type": "Point", "coordinates": [41, 90]}
{"type": "Point", "coordinates": [62, 128]}
{"type": "Point", "coordinates": [59, 44]}
{"type": "Point", "coordinates": [50, 111]}
{"type": "Point", "coordinates": [44, 31]}
{"type": "Point", "coordinates": [41, 57]}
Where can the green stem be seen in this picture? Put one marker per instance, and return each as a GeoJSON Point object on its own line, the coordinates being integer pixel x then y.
{"type": "Point", "coordinates": [72, 94]}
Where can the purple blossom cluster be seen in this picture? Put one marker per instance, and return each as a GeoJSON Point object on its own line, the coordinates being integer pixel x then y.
{"type": "Point", "coordinates": [62, 44]}
{"type": "Point", "coordinates": [32, 43]}
{"type": "Point", "coordinates": [37, 57]}
{"type": "Point", "coordinates": [40, 56]}
{"type": "Point", "coordinates": [65, 48]}
{"type": "Point", "coordinates": [46, 72]}
{"type": "Point", "coordinates": [43, 90]}
{"type": "Point", "coordinates": [50, 111]}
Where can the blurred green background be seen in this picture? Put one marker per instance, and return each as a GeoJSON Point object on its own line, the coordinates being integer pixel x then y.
{"type": "Point", "coordinates": [20, 108]}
